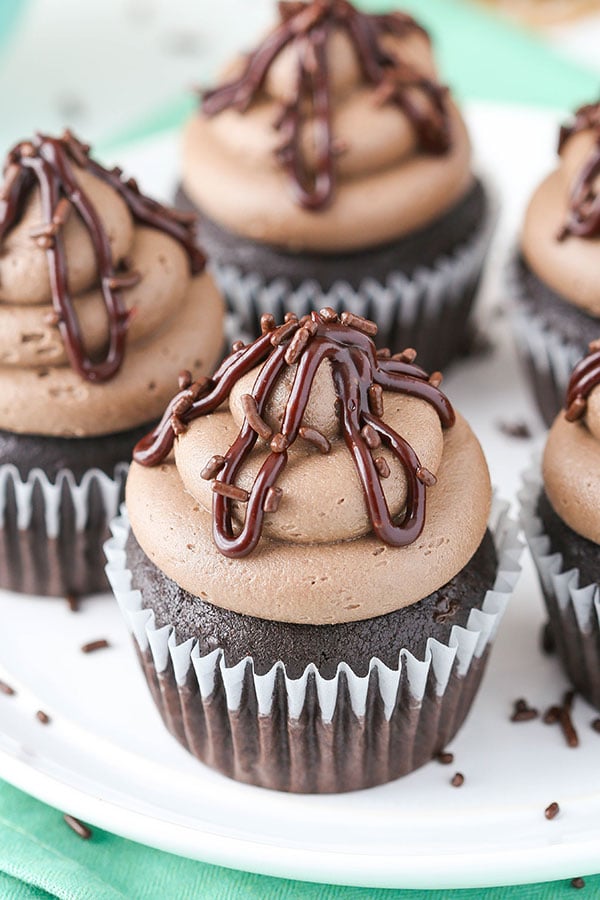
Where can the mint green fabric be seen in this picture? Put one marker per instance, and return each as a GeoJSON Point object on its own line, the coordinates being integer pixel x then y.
{"type": "Point", "coordinates": [41, 857]}
{"type": "Point", "coordinates": [481, 57]}
{"type": "Point", "coordinates": [10, 11]}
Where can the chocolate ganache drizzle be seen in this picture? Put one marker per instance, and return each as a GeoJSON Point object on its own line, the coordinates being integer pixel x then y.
{"type": "Point", "coordinates": [584, 206]}
{"type": "Point", "coordinates": [52, 164]}
{"type": "Point", "coordinates": [308, 28]}
{"type": "Point", "coordinates": [360, 375]}
{"type": "Point", "coordinates": [585, 377]}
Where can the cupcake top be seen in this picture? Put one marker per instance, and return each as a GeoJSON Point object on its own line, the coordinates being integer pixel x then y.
{"type": "Point", "coordinates": [571, 466]}
{"type": "Point", "coordinates": [95, 280]}
{"type": "Point", "coordinates": [333, 134]}
{"type": "Point", "coordinates": [561, 234]}
{"type": "Point", "coordinates": [311, 458]}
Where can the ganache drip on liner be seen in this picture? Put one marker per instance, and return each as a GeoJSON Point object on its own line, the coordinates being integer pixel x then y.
{"type": "Point", "coordinates": [308, 27]}
{"type": "Point", "coordinates": [360, 375]}
{"type": "Point", "coordinates": [585, 377]}
{"type": "Point", "coordinates": [583, 217]}
{"type": "Point", "coordinates": [51, 163]}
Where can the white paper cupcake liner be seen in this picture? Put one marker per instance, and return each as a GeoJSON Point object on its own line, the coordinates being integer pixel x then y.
{"type": "Point", "coordinates": [573, 605]}
{"type": "Point", "coordinates": [264, 728]}
{"type": "Point", "coordinates": [428, 310]}
{"type": "Point", "coordinates": [52, 531]}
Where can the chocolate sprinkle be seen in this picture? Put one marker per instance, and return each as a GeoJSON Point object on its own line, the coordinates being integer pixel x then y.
{"type": "Point", "coordinates": [231, 491]}
{"type": "Point", "coordinates": [92, 646]}
{"type": "Point", "coordinates": [52, 164]}
{"type": "Point", "coordinates": [315, 438]}
{"type": "Point", "coordinates": [73, 602]}
{"type": "Point", "coordinates": [445, 758]}
{"type": "Point", "coordinates": [308, 28]}
{"type": "Point", "coordinates": [6, 689]}
{"type": "Point", "coordinates": [523, 712]}
{"type": "Point", "coordinates": [458, 780]}
{"type": "Point", "coordinates": [254, 419]}
{"type": "Point", "coordinates": [78, 827]}
{"type": "Point", "coordinates": [562, 715]}
{"type": "Point", "coordinates": [551, 716]}
{"type": "Point", "coordinates": [42, 717]}
{"type": "Point", "coordinates": [212, 467]}
{"type": "Point", "coordinates": [519, 430]}
{"type": "Point", "coordinates": [370, 437]}
{"type": "Point", "coordinates": [382, 466]}
{"type": "Point", "coordinates": [577, 883]}
{"type": "Point", "coordinates": [356, 370]}
{"type": "Point", "coordinates": [552, 811]}
{"type": "Point", "coordinates": [596, 725]}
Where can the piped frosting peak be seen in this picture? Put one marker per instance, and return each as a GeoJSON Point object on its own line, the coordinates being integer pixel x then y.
{"type": "Point", "coordinates": [307, 30]}
{"type": "Point", "coordinates": [583, 216]}
{"type": "Point", "coordinates": [360, 376]}
{"type": "Point", "coordinates": [53, 166]}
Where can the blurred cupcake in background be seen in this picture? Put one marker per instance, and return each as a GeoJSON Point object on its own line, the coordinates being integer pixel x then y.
{"type": "Point", "coordinates": [555, 284]}
{"type": "Point", "coordinates": [545, 12]}
{"type": "Point", "coordinates": [315, 569]}
{"type": "Point", "coordinates": [561, 519]}
{"type": "Point", "coordinates": [331, 167]}
{"type": "Point", "coordinates": [103, 299]}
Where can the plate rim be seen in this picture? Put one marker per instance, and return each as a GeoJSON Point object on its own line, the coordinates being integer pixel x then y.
{"type": "Point", "coordinates": [486, 870]}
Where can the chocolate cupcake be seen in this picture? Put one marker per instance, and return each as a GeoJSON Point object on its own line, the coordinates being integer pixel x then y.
{"type": "Point", "coordinates": [332, 168]}
{"type": "Point", "coordinates": [554, 281]}
{"type": "Point", "coordinates": [103, 298]}
{"type": "Point", "coordinates": [310, 576]}
{"type": "Point", "coordinates": [561, 519]}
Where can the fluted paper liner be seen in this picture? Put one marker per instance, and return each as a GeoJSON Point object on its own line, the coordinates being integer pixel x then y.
{"type": "Point", "coordinates": [573, 606]}
{"type": "Point", "coordinates": [549, 360]}
{"type": "Point", "coordinates": [427, 310]}
{"type": "Point", "coordinates": [52, 532]}
{"type": "Point", "coordinates": [313, 734]}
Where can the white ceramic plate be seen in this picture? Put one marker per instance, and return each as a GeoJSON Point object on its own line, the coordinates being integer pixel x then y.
{"type": "Point", "coordinates": [106, 757]}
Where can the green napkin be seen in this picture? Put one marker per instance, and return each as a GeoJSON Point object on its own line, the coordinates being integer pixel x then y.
{"type": "Point", "coordinates": [40, 857]}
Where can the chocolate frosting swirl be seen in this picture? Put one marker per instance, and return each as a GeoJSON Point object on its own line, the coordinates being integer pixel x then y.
{"type": "Point", "coordinates": [319, 560]}
{"type": "Point", "coordinates": [308, 28]}
{"type": "Point", "coordinates": [583, 217]}
{"type": "Point", "coordinates": [366, 134]}
{"type": "Point", "coordinates": [53, 164]}
{"type": "Point", "coordinates": [103, 297]}
{"type": "Point", "coordinates": [360, 376]}
{"type": "Point", "coordinates": [562, 223]}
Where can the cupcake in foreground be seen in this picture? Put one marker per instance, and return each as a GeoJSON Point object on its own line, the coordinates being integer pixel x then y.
{"type": "Point", "coordinates": [309, 574]}
{"type": "Point", "coordinates": [103, 299]}
{"type": "Point", "coordinates": [557, 291]}
{"type": "Point", "coordinates": [561, 519]}
{"type": "Point", "coordinates": [332, 168]}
